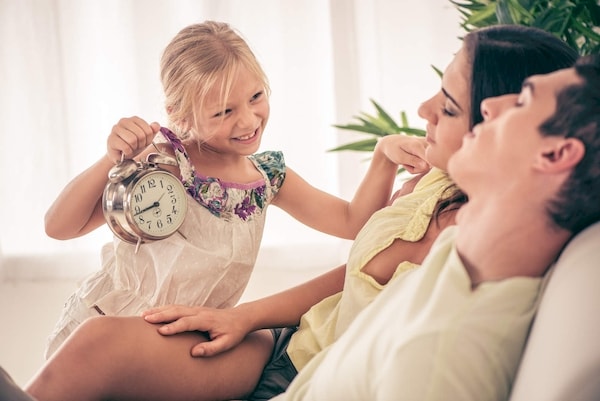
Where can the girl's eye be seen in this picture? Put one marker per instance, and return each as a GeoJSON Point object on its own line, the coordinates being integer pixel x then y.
{"type": "Point", "coordinates": [256, 96]}
{"type": "Point", "coordinates": [222, 113]}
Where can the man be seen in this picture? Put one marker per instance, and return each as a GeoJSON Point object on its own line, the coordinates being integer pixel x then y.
{"type": "Point", "coordinates": [455, 329]}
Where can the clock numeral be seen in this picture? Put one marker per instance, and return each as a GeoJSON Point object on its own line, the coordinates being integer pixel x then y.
{"type": "Point", "coordinates": [151, 183]}
{"type": "Point", "coordinates": [141, 219]}
{"type": "Point", "coordinates": [169, 219]}
{"type": "Point", "coordinates": [137, 210]}
{"type": "Point", "coordinates": [143, 188]}
{"type": "Point", "coordinates": [138, 198]}
{"type": "Point", "coordinates": [159, 223]}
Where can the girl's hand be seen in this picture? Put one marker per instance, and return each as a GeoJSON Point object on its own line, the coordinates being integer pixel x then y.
{"type": "Point", "coordinates": [129, 137]}
{"type": "Point", "coordinates": [226, 328]}
{"type": "Point", "coordinates": [406, 151]}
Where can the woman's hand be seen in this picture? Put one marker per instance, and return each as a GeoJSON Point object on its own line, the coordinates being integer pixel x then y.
{"type": "Point", "coordinates": [226, 328]}
{"type": "Point", "coordinates": [129, 137]}
{"type": "Point", "coordinates": [406, 151]}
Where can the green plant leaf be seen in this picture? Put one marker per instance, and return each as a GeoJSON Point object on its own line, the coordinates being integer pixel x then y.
{"type": "Point", "coordinates": [439, 72]}
{"type": "Point", "coordinates": [366, 145]}
{"type": "Point", "coordinates": [574, 21]}
{"type": "Point", "coordinates": [483, 15]}
{"type": "Point", "coordinates": [413, 131]}
{"type": "Point", "coordinates": [385, 116]}
{"type": "Point", "coordinates": [360, 128]}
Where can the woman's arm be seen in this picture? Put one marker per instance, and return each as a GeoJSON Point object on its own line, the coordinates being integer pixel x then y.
{"type": "Point", "coordinates": [228, 327]}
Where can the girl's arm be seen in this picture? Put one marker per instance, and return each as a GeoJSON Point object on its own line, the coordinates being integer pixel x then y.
{"type": "Point", "coordinates": [335, 216]}
{"type": "Point", "coordinates": [228, 327]}
{"type": "Point", "coordinates": [78, 208]}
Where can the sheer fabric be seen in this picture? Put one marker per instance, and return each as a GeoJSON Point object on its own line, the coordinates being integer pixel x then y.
{"type": "Point", "coordinates": [70, 69]}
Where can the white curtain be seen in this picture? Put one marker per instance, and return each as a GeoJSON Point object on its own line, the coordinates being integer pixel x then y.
{"type": "Point", "coordinates": [69, 69]}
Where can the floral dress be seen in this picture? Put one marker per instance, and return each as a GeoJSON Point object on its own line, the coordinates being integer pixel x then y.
{"type": "Point", "coordinates": [208, 263]}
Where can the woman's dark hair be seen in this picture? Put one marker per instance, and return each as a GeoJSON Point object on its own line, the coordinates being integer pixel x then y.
{"type": "Point", "coordinates": [501, 57]}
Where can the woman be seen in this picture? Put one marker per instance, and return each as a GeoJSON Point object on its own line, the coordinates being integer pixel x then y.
{"type": "Point", "coordinates": [455, 328]}
{"type": "Point", "coordinates": [113, 358]}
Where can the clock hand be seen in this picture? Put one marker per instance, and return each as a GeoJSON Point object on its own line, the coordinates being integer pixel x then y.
{"type": "Point", "coordinates": [152, 206]}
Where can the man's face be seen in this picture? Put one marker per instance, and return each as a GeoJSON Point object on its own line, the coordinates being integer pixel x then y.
{"type": "Point", "coordinates": [504, 146]}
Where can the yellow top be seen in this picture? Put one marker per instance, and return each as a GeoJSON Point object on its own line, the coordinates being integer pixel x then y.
{"type": "Point", "coordinates": [407, 219]}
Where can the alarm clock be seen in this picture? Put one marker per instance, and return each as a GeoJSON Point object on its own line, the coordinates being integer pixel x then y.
{"type": "Point", "coordinates": [142, 201]}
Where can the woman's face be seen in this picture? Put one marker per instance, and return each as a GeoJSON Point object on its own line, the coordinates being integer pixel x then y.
{"type": "Point", "coordinates": [237, 127]}
{"type": "Point", "coordinates": [448, 112]}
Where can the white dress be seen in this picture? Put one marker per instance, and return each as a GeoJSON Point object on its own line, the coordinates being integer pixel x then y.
{"type": "Point", "coordinates": [211, 266]}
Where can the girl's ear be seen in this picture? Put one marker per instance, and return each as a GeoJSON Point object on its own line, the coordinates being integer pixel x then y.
{"type": "Point", "coordinates": [561, 154]}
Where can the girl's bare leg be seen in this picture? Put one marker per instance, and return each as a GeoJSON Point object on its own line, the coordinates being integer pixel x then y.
{"type": "Point", "coordinates": [125, 358]}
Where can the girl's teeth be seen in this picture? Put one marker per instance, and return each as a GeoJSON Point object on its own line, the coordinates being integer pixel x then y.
{"type": "Point", "coordinates": [243, 138]}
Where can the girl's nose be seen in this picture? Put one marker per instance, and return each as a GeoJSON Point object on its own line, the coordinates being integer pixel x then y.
{"type": "Point", "coordinates": [246, 118]}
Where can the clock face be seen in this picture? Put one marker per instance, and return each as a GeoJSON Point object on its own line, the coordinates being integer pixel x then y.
{"type": "Point", "coordinates": [157, 204]}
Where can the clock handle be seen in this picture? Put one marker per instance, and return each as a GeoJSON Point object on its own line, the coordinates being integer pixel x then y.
{"type": "Point", "coordinates": [123, 170]}
{"type": "Point", "coordinates": [156, 158]}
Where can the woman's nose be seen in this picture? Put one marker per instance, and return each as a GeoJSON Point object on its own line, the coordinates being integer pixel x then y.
{"type": "Point", "coordinates": [425, 112]}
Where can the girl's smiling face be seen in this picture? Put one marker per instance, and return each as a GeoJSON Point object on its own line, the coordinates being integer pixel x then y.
{"type": "Point", "coordinates": [237, 126]}
{"type": "Point", "coordinates": [448, 112]}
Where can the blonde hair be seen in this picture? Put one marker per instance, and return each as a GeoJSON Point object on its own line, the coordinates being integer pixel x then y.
{"type": "Point", "coordinates": [196, 59]}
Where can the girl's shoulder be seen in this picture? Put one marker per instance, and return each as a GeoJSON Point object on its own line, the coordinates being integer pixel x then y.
{"type": "Point", "coordinates": [272, 163]}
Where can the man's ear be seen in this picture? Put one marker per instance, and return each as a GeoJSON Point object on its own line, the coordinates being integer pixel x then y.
{"type": "Point", "coordinates": [561, 154]}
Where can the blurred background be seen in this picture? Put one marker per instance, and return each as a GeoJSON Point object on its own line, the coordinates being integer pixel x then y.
{"type": "Point", "coordinates": [69, 70]}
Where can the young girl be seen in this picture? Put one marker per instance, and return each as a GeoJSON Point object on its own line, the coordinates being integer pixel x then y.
{"type": "Point", "coordinates": [235, 358]}
{"type": "Point", "coordinates": [217, 103]}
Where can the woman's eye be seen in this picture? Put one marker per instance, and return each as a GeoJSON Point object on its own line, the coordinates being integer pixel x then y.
{"type": "Point", "coordinates": [448, 112]}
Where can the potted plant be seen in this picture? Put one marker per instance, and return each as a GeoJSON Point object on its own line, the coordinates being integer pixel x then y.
{"type": "Point", "coordinates": [577, 22]}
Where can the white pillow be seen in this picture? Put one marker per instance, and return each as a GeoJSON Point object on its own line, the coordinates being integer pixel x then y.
{"type": "Point", "coordinates": [562, 355]}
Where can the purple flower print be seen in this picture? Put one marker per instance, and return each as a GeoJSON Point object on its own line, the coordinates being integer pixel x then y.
{"type": "Point", "coordinates": [245, 209]}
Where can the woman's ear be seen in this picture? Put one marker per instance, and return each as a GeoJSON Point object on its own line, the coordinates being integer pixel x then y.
{"type": "Point", "coordinates": [561, 154]}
